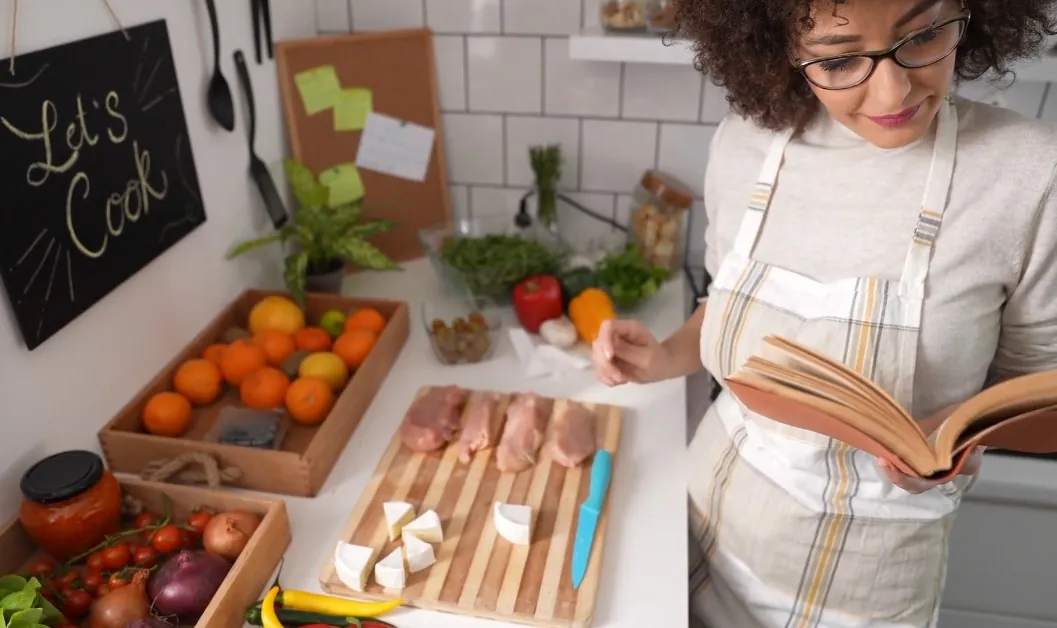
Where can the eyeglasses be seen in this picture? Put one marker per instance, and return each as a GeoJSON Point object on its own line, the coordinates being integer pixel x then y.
{"type": "Point", "coordinates": [916, 50]}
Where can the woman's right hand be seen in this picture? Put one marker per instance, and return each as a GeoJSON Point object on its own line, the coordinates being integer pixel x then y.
{"type": "Point", "coordinates": [626, 352]}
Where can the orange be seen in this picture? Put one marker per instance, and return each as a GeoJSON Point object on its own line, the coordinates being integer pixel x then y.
{"type": "Point", "coordinates": [167, 414]}
{"type": "Point", "coordinates": [241, 358]}
{"type": "Point", "coordinates": [365, 318]}
{"type": "Point", "coordinates": [312, 339]}
{"type": "Point", "coordinates": [213, 353]}
{"type": "Point", "coordinates": [199, 380]}
{"type": "Point", "coordinates": [309, 400]}
{"type": "Point", "coordinates": [277, 345]}
{"type": "Point", "coordinates": [264, 389]}
{"type": "Point", "coordinates": [354, 346]}
{"type": "Point", "coordinates": [276, 313]}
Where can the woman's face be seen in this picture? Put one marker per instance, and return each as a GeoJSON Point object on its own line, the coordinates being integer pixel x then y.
{"type": "Point", "coordinates": [895, 105]}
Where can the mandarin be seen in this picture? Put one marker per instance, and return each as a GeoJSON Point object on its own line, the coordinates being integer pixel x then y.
{"type": "Point", "coordinates": [199, 380]}
{"type": "Point", "coordinates": [264, 389]}
{"type": "Point", "coordinates": [354, 346]}
{"type": "Point", "coordinates": [213, 353]}
{"type": "Point", "coordinates": [241, 358]}
{"type": "Point", "coordinates": [277, 345]}
{"type": "Point", "coordinates": [167, 414]}
{"type": "Point", "coordinates": [312, 339]}
{"type": "Point", "coordinates": [365, 318]}
{"type": "Point", "coordinates": [309, 400]}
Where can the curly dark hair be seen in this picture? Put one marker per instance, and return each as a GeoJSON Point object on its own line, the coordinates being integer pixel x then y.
{"type": "Point", "coordinates": [744, 45]}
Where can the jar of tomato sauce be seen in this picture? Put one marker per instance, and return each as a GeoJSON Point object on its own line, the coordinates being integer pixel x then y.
{"type": "Point", "coordinates": [70, 503]}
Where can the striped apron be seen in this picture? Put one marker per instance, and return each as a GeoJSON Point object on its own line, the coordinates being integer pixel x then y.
{"type": "Point", "coordinates": [789, 528]}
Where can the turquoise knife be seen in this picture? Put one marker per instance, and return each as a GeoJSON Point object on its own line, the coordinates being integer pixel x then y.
{"type": "Point", "coordinates": [590, 512]}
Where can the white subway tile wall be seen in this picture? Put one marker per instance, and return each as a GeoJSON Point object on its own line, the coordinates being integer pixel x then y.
{"type": "Point", "coordinates": [506, 83]}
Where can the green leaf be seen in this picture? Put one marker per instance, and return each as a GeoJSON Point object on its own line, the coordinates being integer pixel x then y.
{"type": "Point", "coordinates": [363, 254]}
{"type": "Point", "coordinates": [294, 275]}
{"type": "Point", "coordinates": [50, 612]}
{"type": "Point", "coordinates": [371, 228]}
{"type": "Point", "coordinates": [257, 242]}
{"type": "Point", "coordinates": [306, 188]}
{"type": "Point", "coordinates": [26, 619]}
{"type": "Point", "coordinates": [21, 600]}
{"type": "Point", "coordinates": [11, 584]}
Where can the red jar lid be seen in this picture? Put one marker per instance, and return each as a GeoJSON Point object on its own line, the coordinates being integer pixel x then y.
{"type": "Point", "coordinates": [61, 476]}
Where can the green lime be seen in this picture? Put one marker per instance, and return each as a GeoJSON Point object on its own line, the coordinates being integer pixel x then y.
{"type": "Point", "coordinates": [333, 321]}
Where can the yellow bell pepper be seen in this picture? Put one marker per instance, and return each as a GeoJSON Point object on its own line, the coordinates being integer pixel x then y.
{"type": "Point", "coordinates": [588, 310]}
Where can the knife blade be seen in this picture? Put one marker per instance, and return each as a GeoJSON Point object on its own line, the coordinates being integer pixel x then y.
{"type": "Point", "coordinates": [590, 513]}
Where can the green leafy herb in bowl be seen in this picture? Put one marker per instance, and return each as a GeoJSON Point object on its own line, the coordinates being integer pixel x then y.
{"type": "Point", "coordinates": [629, 278]}
{"type": "Point", "coordinates": [491, 265]}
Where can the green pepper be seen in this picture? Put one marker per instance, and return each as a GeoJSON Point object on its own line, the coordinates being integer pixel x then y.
{"type": "Point", "coordinates": [576, 281]}
{"type": "Point", "coordinates": [292, 618]}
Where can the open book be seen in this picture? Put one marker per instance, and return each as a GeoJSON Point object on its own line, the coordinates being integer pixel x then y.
{"type": "Point", "coordinates": [792, 384]}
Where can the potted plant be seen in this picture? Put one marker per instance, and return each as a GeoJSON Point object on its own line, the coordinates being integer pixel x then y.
{"type": "Point", "coordinates": [324, 238]}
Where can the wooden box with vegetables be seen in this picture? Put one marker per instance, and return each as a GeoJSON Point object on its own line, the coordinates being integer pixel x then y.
{"type": "Point", "coordinates": [271, 390]}
{"type": "Point", "coordinates": [88, 550]}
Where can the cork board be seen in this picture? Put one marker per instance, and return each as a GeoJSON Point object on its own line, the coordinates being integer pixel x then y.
{"type": "Point", "coordinates": [399, 70]}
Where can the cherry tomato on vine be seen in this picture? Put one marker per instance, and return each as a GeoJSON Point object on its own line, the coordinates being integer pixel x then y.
{"type": "Point", "coordinates": [76, 603]}
{"type": "Point", "coordinates": [188, 539]}
{"type": "Point", "coordinates": [146, 519]}
{"type": "Point", "coordinates": [144, 556]}
{"type": "Point", "coordinates": [66, 579]}
{"type": "Point", "coordinates": [42, 567]}
{"type": "Point", "coordinates": [91, 580]}
{"type": "Point", "coordinates": [199, 521]}
{"type": "Point", "coordinates": [167, 539]}
{"type": "Point", "coordinates": [117, 580]}
{"type": "Point", "coordinates": [116, 556]}
{"type": "Point", "coordinates": [95, 561]}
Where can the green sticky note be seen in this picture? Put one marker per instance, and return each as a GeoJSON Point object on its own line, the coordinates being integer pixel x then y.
{"type": "Point", "coordinates": [351, 108]}
{"type": "Point", "coordinates": [344, 183]}
{"type": "Point", "coordinates": [319, 88]}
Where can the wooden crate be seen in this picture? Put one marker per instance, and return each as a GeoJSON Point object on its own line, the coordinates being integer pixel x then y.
{"type": "Point", "coordinates": [248, 577]}
{"type": "Point", "coordinates": [307, 453]}
{"type": "Point", "coordinates": [477, 572]}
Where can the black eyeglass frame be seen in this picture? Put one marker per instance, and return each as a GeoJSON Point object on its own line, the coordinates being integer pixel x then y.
{"type": "Point", "coordinates": [889, 53]}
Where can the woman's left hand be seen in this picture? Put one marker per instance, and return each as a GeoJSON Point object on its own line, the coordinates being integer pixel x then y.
{"type": "Point", "coordinates": [916, 485]}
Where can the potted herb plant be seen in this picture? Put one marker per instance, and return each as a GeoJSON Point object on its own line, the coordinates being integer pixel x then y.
{"type": "Point", "coordinates": [546, 162]}
{"type": "Point", "coordinates": [324, 238]}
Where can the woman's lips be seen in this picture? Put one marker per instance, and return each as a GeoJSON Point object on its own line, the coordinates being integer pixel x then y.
{"type": "Point", "coordinates": [896, 119]}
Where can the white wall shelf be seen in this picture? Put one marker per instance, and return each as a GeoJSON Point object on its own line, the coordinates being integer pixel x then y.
{"type": "Point", "coordinates": [596, 45]}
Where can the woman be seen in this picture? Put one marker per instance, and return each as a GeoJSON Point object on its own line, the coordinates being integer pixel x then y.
{"type": "Point", "coordinates": [855, 205]}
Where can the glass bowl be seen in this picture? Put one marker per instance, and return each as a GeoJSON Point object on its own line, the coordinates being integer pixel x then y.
{"type": "Point", "coordinates": [462, 330]}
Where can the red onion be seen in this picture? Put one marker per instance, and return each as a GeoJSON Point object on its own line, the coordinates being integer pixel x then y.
{"type": "Point", "coordinates": [186, 583]}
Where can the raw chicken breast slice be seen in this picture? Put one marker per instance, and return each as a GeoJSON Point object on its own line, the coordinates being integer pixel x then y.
{"type": "Point", "coordinates": [433, 419]}
{"type": "Point", "coordinates": [573, 435]}
{"type": "Point", "coordinates": [526, 423]}
{"type": "Point", "coordinates": [484, 423]}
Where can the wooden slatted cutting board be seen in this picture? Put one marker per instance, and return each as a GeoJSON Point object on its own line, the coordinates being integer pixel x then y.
{"type": "Point", "coordinates": [477, 572]}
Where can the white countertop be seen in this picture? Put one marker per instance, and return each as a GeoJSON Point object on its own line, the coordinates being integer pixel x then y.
{"type": "Point", "coordinates": [644, 580]}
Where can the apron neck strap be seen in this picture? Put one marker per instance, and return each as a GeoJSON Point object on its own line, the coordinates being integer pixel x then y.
{"type": "Point", "coordinates": [760, 199]}
{"type": "Point", "coordinates": [937, 188]}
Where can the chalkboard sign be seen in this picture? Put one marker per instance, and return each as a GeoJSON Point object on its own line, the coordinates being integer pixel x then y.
{"type": "Point", "coordinates": [97, 176]}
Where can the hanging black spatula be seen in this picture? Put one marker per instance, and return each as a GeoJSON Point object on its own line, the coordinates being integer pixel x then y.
{"type": "Point", "coordinates": [272, 201]}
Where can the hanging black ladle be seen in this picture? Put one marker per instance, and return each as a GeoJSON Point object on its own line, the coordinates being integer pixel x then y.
{"type": "Point", "coordinates": [218, 97]}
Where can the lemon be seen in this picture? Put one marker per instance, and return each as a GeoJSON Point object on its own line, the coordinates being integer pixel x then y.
{"type": "Point", "coordinates": [326, 366]}
{"type": "Point", "coordinates": [333, 322]}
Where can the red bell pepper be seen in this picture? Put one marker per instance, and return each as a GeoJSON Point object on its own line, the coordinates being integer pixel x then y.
{"type": "Point", "coordinates": [536, 300]}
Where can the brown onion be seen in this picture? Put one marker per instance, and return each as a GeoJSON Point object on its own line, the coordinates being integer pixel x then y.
{"type": "Point", "coordinates": [121, 607]}
{"type": "Point", "coordinates": [227, 533]}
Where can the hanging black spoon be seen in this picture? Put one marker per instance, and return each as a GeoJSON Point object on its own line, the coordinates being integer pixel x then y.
{"type": "Point", "coordinates": [218, 97]}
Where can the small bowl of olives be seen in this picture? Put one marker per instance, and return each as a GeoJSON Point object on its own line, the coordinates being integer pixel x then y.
{"type": "Point", "coordinates": [461, 331]}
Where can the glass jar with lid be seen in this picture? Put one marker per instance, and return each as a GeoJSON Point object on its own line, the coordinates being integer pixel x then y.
{"type": "Point", "coordinates": [658, 210]}
{"type": "Point", "coordinates": [627, 15]}
{"type": "Point", "coordinates": [70, 503]}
